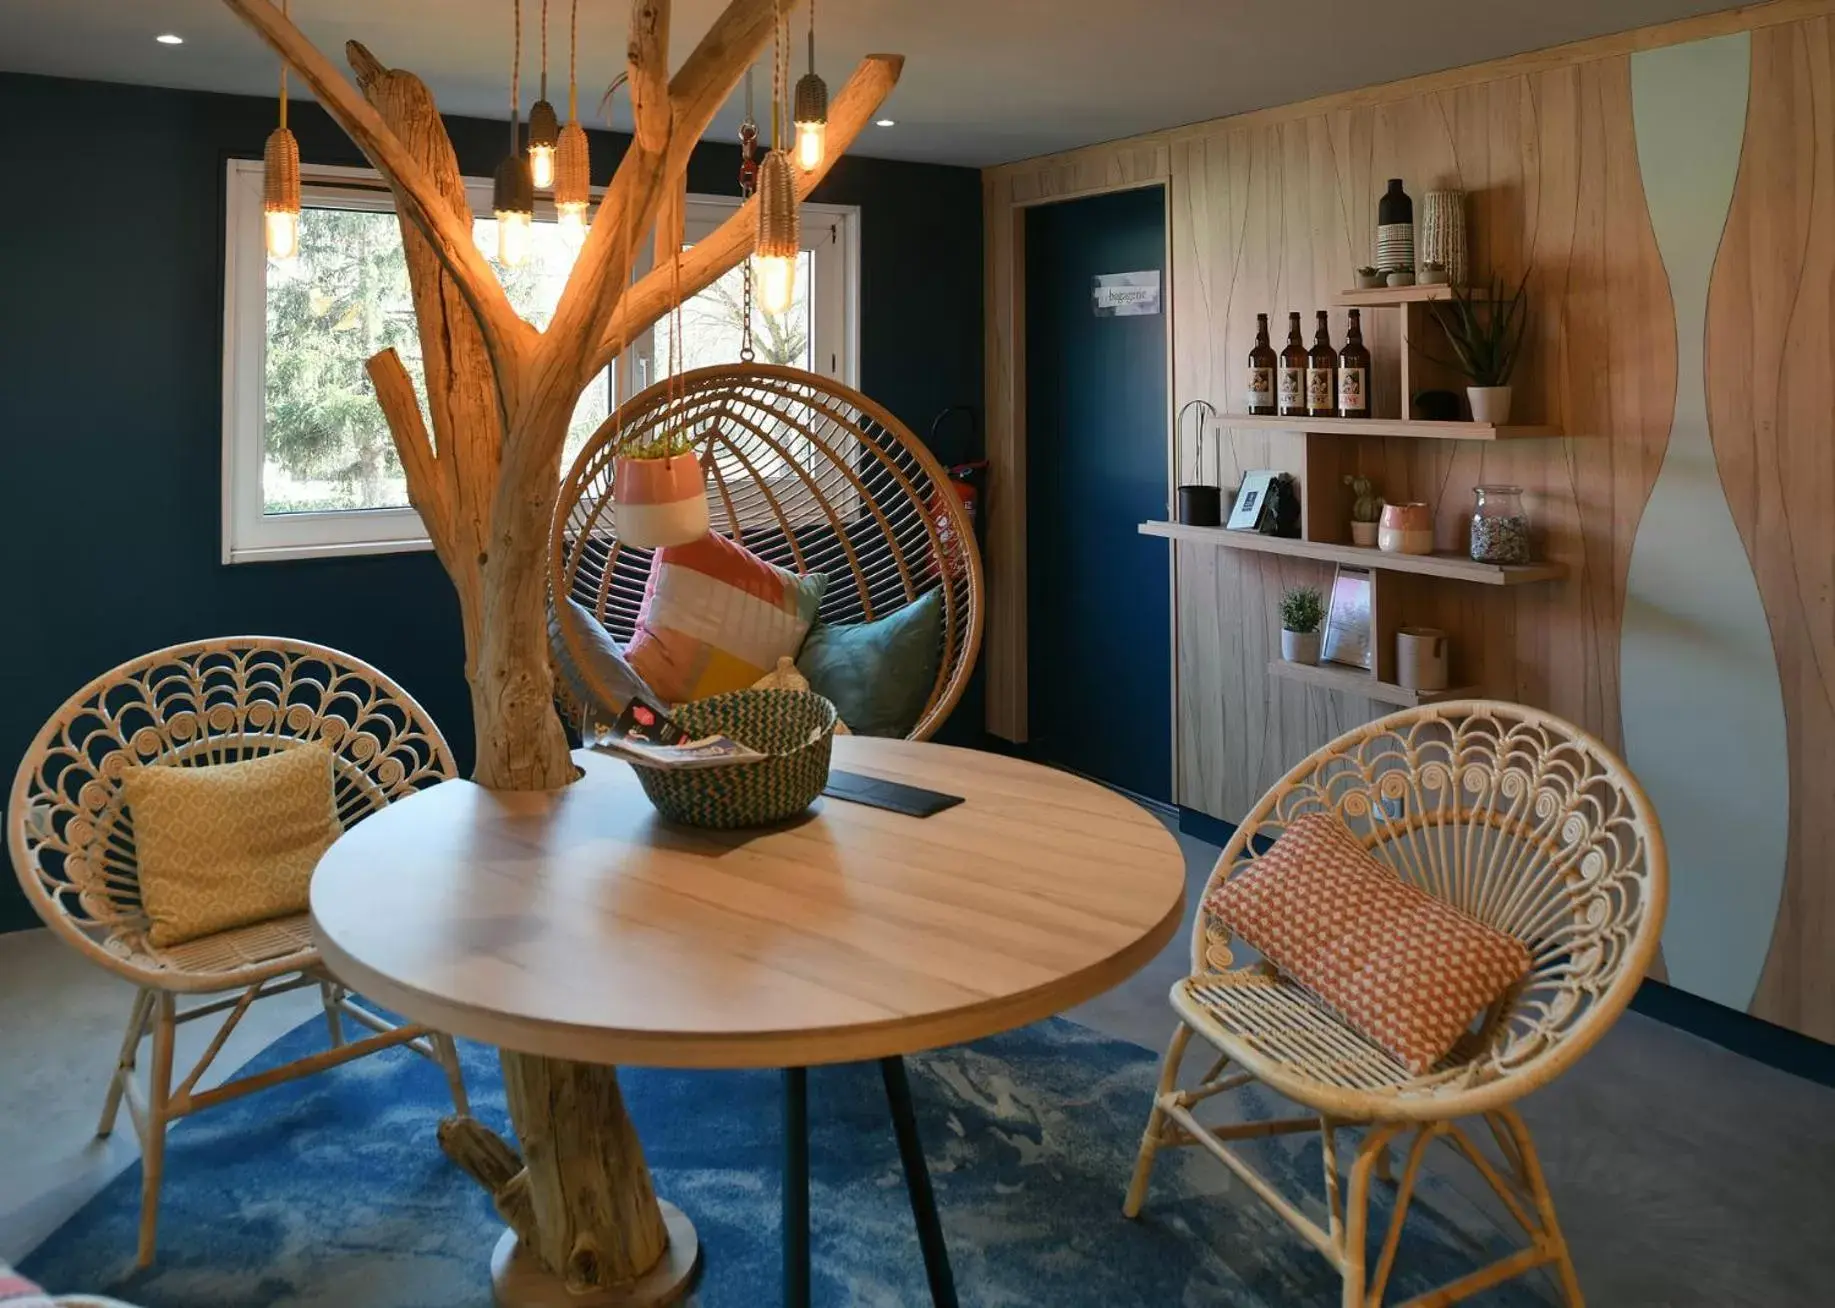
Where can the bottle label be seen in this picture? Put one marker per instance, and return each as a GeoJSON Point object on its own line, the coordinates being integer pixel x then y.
{"type": "Point", "coordinates": [1351, 396]}
{"type": "Point", "coordinates": [1261, 388]}
{"type": "Point", "coordinates": [1319, 388]}
{"type": "Point", "coordinates": [1293, 388]}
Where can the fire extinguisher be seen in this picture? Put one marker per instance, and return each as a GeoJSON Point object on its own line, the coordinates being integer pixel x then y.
{"type": "Point", "coordinates": [969, 475]}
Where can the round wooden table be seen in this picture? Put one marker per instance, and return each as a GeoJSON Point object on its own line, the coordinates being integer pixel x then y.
{"type": "Point", "coordinates": [576, 930]}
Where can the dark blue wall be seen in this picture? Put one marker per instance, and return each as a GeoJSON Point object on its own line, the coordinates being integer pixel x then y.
{"type": "Point", "coordinates": [110, 375]}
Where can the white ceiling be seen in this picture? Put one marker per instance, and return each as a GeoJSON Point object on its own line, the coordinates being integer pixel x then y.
{"type": "Point", "coordinates": [986, 81]}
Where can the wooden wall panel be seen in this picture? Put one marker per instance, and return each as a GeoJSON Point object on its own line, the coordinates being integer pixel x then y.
{"type": "Point", "coordinates": [1771, 408]}
{"type": "Point", "coordinates": [1274, 218]}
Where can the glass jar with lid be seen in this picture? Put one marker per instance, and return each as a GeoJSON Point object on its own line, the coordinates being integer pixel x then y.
{"type": "Point", "coordinates": [1500, 525]}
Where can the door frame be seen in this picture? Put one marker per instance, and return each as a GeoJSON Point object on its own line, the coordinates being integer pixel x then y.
{"type": "Point", "coordinates": [1007, 192]}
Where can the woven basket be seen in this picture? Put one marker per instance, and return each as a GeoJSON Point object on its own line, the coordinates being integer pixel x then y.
{"type": "Point", "coordinates": [774, 722]}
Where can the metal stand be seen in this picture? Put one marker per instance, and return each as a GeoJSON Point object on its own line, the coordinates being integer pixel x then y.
{"type": "Point", "coordinates": [917, 1184]}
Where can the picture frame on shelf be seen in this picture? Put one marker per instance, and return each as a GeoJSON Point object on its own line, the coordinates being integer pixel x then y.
{"type": "Point", "coordinates": [1252, 500]}
{"type": "Point", "coordinates": [1348, 637]}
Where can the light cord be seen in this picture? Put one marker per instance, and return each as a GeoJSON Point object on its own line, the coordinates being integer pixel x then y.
{"type": "Point", "coordinates": [544, 94]}
{"type": "Point", "coordinates": [573, 63]}
{"type": "Point", "coordinates": [516, 76]}
{"type": "Point", "coordinates": [283, 76]}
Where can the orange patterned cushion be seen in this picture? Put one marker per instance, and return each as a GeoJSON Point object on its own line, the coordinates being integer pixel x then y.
{"type": "Point", "coordinates": [1405, 969]}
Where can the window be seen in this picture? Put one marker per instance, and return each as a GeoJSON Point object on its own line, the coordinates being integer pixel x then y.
{"type": "Point", "coordinates": [309, 467]}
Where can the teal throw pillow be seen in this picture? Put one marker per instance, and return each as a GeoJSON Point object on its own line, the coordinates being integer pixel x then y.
{"type": "Point", "coordinates": [878, 674]}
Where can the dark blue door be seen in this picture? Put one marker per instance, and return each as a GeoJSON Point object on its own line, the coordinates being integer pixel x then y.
{"type": "Point", "coordinates": [1098, 636]}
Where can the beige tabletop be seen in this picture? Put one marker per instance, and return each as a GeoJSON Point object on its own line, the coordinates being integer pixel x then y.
{"type": "Point", "coordinates": [576, 924]}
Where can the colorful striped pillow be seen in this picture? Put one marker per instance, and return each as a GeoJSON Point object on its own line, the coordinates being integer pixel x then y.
{"type": "Point", "coordinates": [716, 617]}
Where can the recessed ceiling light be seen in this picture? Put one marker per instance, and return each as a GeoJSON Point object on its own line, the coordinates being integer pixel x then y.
{"type": "Point", "coordinates": [167, 38]}
{"type": "Point", "coordinates": [886, 122]}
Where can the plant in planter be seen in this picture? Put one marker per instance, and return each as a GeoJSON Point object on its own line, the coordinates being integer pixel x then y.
{"type": "Point", "coordinates": [1433, 273]}
{"type": "Point", "coordinates": [659, 493]}
{"type": "Point", "coordinates": [1369, 278]}
{"type": "Point", "coordinates": [1302, 610]}
{"type": "Point", "coordinates": [1366, 510]}
{"type": "Point", "coordinates": [1485, 332]}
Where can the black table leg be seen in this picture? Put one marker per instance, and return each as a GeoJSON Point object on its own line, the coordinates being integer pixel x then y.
{"type": "Point", "coordinates": [917, 1183]}
{"type": "Point", "coordinates": [796, 1187]}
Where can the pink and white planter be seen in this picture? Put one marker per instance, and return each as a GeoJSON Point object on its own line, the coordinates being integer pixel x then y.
{"type": "Point", "coordinates": [658, 502]}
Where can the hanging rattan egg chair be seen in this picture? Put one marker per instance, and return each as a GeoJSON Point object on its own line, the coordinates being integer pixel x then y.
{"type": "Point", "coordinates": [805, 472]}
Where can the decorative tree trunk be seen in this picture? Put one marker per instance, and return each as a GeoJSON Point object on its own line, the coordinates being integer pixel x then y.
{"type": "Point", "coordinates": [484, 480]}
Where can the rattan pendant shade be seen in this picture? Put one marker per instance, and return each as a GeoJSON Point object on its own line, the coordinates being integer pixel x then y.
{"type": "Point", "coordinates": [805, 472]}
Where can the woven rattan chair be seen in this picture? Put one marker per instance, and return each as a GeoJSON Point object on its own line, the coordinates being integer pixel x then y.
{"type": "Point", "coordinates": [1521, 820]}
{"type": "Point", "coordinates": [805, 472]}
{"type": "Point", "coordinates": [208, 702]}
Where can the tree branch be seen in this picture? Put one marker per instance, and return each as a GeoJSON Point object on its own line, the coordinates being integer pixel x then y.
{"type": "Point", "coordinates": [649, 63]}
{"type": "Point", "coordinates": [718, 254]}
{"type": "Point", "coordinates": [506, 335]}
{"type": "Point", "coordinates": [426, 491]}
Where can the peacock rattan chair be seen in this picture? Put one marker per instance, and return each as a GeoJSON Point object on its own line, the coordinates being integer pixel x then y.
{"type": "Point", "coordinates": [802, 471]}
{"type": "Point", "coordinates": [72, 842]}
{"type": "Point", "coordinates": [1517, 818]}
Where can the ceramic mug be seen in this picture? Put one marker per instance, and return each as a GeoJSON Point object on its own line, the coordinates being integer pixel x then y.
{"type": "Point", "coordinates": [1420, 658]}
{"type": "Point", "coordinates": [1406, 529]}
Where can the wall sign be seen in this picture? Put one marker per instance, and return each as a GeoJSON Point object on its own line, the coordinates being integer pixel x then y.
{"type": "Point", "coordinates": [1126, 295]}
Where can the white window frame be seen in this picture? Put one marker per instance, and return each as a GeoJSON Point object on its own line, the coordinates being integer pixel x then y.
{"type": "Point", "coordinates": [249, 535]}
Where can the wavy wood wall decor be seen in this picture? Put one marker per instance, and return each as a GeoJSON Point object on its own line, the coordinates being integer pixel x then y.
{"type": "Point", "coordinates": [1702, 709]}
{"type": "Point", "coordinates": [1771, 410]}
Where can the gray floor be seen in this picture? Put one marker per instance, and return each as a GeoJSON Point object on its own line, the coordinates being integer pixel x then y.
{"type": "Point", "coordinates": [1684, 1174]}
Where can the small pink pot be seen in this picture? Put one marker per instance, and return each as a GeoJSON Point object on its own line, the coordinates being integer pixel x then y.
{"type": "Point", "coordinates": [660, 502]}
{"type": "Point", "coordinates": [1406, 529]}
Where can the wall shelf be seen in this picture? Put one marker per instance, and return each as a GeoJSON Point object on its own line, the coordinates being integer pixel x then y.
{"type": "Point", "coordinates": [1389, 297]}
{"type": "Point", "coordinates": [1439, 431]}
{"type": "Point", "coordinates": [1355, 681]}
{"type": "Point", "coordinates": [1454, 567]}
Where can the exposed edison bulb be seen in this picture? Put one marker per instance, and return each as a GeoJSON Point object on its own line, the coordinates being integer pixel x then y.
{"type": "Point", "coordinates": [571, 220]}
{"type": "Point", "coordinates": [541, 166]}
{"type": "Point", "coordinates": [514, 235]}
{"type": "Point", "coordinates": [282, 233]}
{"type": "Point", "coordinates": [776, 282]}
{"type": "Point", "coordinates": [811, 142]}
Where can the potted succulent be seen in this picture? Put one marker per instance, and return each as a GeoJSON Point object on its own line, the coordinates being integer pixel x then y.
{"type": "Point", "coordinates": [1366, 510]}
{"type": "Point", "coordinates": [659, 493]}
{"type": "Point", "coordinates": [1485, 332]}
{"type": "Point", "coordinates": [1302, 610]}
{"type": "Point", "coordinates": [1401, 277]}
{"type": "Point", "coordinates": [1433, 273]}
{"type": "Point", "coordinates": [1369, 278]}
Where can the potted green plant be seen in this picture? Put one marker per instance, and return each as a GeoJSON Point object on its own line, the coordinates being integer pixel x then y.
{"type": "Point", "coordinates": [1369, 278]}
{"type": "Point", "coordinates": [1433, 273]}
{"type": "Point", "coordinates": [1302, 610]}
{"type": "Point", "coordinates": [659, 494]}
{"type": "Point", "coordinates": [1485, 331]}
{"type": "Point", "coordinates": [1366, 510]}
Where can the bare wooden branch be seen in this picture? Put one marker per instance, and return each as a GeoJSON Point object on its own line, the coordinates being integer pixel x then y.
{"type": "Point", "coordinates": [489, 1160]}
{"type": "Point", "coordinates": [709, 74]}
{"type": "Point", "coordinates": [649, 64]}
{"type": "Point", "coordinates": [719, 253]}
{"type": "Point", "coordinates": [401, 407]}
{"type": "Point", "coordinates": [416, 194]}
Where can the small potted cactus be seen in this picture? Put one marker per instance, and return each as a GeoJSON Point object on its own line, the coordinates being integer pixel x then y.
{"type": "Point", "coordinates": [1302, 612]}
{"type": "Point", "coordinates": [1433, 273]}
{"type": "Point", "coordinates": [1366, 510]}
{"type": "Point", "coordinates": [1369, 278]}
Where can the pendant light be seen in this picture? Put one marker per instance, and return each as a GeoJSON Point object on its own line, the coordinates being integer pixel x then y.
{"type": "Point", "coordinates": [811, 108]}
{"type": "Point", "coordinates": [774, 257]}
{"type": "Point", "coordinates": [280, 181]}
{"type": "Point", "coordinates": [512, 192]}
{"type": "Point", "coordinates": [544, 127]}
{"type": "Point", "coordinates": [572, 162]}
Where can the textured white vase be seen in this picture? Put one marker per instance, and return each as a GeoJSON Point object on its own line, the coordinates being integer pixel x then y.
{"type": "Point", "coordinates": [1441, 233]}
{"type": "Point", "coordinates": [1300, 646]}
{"type": "Point", "coordinates": [1489, 403]}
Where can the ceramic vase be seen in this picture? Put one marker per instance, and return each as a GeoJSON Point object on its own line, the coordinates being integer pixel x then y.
{"type": "Point", "coordinates": [1442, 233]}
{"type": "Point", "coordinates": [1406, 529]}
{"type": "Point", "coordinates": [1489, 403]}
{"type": "Point", "coordinates": [1300, 646]}
{"type": "Point", "coordinates": [658, 502]}
{"type": "Point", "coordinates": [1420, 658]}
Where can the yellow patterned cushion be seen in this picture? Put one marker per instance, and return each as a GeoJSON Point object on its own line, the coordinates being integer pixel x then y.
{"type": "Point", "coordinates": [1405, 969]}
{"type": "Point", "coordinates": [220, 847]}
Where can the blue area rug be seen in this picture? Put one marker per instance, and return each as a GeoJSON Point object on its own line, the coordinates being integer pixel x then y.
{"type": "Point", "coordinates": [331, 1193]}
